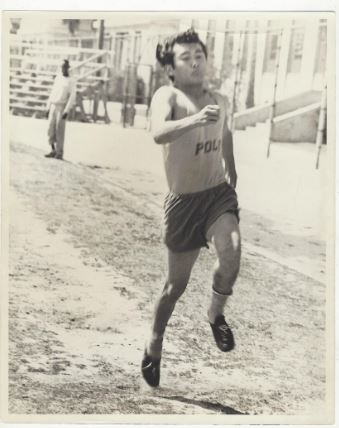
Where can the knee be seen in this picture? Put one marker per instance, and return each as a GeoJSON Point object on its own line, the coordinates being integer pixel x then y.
{"type": "Point", "coordinates": [173, 290]}
{"type": "Point", "coordinates": [235, 243]}
{"type": "Point", "coordinates": [223, 281]}
{"type": "Point", "coordinates": [228, 245]}
{"type": "Point", "coordinates": [225, 275]}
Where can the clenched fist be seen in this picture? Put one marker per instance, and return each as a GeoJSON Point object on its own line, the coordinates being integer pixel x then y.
{"type": "Point", "coordinates": [208, 115]}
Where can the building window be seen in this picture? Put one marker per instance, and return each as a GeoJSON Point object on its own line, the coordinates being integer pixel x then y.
{"type": "Point", "coordinates": [87, 43]}
{"type": "Point", "coordinates": [271, 52]}
{"type": "Point", "coordinates": [296, 50]}
{"type": "Point", "coordinates": [320, 59]}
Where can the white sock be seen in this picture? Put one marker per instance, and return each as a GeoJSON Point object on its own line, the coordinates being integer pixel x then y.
{"type": "Point", "coordinates": [218, 302]}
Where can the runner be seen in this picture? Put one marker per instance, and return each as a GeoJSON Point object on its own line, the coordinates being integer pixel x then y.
{"type": "Point", "coordinates": [189, 122]}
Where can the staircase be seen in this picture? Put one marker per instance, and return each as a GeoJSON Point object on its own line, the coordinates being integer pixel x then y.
{"type": "Point", "coordinates": [296, 118]}
{"type": "Point", "coordinates": [33, 67]}
{"type": "Point", "coordinates": [251, 143]}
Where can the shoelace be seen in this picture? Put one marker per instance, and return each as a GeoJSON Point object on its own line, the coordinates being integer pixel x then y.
{"type": "Point", "coordinates": [224, 329]}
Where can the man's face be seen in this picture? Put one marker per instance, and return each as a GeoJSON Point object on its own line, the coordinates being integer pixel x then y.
{"type": "Point", "coordinates": [65, 69]}
{"type": "Point", "coordinates": [189, 63]}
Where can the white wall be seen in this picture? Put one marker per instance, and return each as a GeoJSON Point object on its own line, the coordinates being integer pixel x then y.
{"type": "Point", "coordinates": [289, 83]}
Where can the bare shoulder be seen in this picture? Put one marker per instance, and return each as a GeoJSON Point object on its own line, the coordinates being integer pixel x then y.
{"type": "Point", "coordinates": [224, 102]}
{"type": "Point", "coordinates": [165, 94]}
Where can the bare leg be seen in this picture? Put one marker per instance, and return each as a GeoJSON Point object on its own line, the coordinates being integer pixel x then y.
{"type": "Point", "coordinates": [225, 235]}
{"type": "Point", "coordinates": [179, 269]}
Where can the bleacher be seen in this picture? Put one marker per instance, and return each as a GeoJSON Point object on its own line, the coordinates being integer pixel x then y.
{"type": "Point", "coordinates": [34, 65]}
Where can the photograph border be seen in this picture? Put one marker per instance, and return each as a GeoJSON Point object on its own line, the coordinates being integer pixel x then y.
{"type": "Point", "coordinates": [331, 252]}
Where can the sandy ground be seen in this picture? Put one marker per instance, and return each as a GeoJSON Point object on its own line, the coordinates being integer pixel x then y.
{"type": "Point", "coordinates": [86, 264]}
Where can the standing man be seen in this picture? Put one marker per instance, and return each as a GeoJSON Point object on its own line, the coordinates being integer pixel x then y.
{"type": "Point", "coordinates": [190, 124]}
{"type": "Point", "coordinates": [61, 100]}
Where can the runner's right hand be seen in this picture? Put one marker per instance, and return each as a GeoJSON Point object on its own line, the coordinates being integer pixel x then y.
{"type": "Point", "coordinates": [209, 114]}
{"type": "Point", "coordinates": [47, 113]}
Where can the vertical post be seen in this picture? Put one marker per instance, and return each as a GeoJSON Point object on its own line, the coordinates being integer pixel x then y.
{"type": "Point", "coordinates": [120, 51]}
{"type": "Point", "coordinates": [132, 92]}
{"type": "Point", "coordinates": [321, 125]}
{"type": "Point", "coordinates": [112, 53]}
{"type": "Point", "coordinates": [210, 39]}
{"type": "Point", "coordinates": [195, 24]}
{"type": "Point", "coordinates": [133, 78]}
{"type": "Point", "coordinates": [250, 99]}
{"type": "Point", "coordinates": [284, 58]}
{"type": "Point", "coordinates": [272, 110]}
{"type": "Point", "coordinates": [115, 52]}
{"type": "Point", "coordinates": [139, 44]}
{"type": "Point", "coordinates": [149, 94]}
{"type": "Point", "coordinates": [101, 34]}
{"type": "Point", "coordinates": [243, 58]}
{"type": "Point", "coordinates": [125, 97]}
{"type": "Point", "coordinates": [236, 81]}
{"type": "Point", "coordinates": [106, 86]}
{"type": "Point", "coordinates": [101, 42]}
{"type": "Point", "coordinates": [134, 51]}
{"type": "Point", "coordinates": [226, 55]}
{"type": "Point", "coordinates": [129, 77]}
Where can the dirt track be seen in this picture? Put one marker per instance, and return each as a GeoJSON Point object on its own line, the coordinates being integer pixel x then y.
{"type": "Point", "coordinates": [86, 263]}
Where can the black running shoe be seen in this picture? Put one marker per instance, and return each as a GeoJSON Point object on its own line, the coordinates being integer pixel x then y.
{"type": "Point", "coordinates": [50, 155]}
{"type": "Point", "coordinates": [60, 157]}
{"type": "Point", "coordinates": [150, 369]}
{"type": "Point", "coordinates": [222, 334]}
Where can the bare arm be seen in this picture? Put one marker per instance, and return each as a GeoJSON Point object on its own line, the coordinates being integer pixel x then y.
{"type": "Point", "coordinates": [48, 105]}
{"type": "Point", "coordinates": [228, 155]}
{"type": "Point", "coordinates": [72, 96]}
{"type": "Point", "coordinates": [166, 130]}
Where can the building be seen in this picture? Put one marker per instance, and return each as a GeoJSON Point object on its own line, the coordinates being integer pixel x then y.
{"type": "Point", "coordinates": [255, 62]}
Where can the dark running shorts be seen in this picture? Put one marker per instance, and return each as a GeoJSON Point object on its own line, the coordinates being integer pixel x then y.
{"type": "Point", "coordinates": [188, 216]}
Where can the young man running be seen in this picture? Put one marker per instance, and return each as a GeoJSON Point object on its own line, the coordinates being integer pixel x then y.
{"type": "Point", "coordinates": [189, 122]}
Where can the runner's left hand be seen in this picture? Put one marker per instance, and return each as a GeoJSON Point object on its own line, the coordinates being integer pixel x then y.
{"type": "Point", "coordinates": [232, 178]}
{"type": "Point", "coordinates": [64, 116]}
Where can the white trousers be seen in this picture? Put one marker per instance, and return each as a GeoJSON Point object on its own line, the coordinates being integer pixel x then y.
{"type": "Point", "coordinates": [56, 128]}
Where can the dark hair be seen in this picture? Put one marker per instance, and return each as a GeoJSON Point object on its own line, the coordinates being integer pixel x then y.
{"type": "Point", "coordinates": [164, 52]}
{"type": "Point", "coordinates": [66, 62]}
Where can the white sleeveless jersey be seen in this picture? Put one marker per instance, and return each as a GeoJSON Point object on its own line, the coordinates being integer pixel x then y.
{"type": "Point", "coordinates": [194, 162]}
